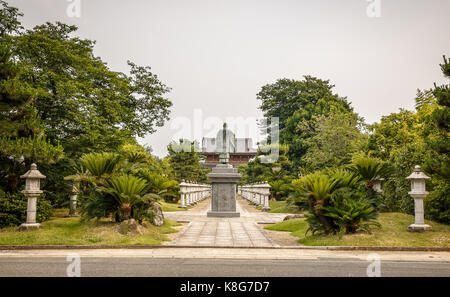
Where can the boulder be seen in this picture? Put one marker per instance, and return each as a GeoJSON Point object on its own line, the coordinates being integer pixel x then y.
{"type": "Point", "coordinates": [158, 217]}
{"type": "Point", "coordinates": [130, 227]}
{"type": "Point", "coordinates": [294, 216]}
{"type": "Point", "coordinates": [123, 228]}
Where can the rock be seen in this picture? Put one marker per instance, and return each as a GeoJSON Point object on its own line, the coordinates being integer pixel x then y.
{"type": "Point", "coordinates": [158, 217]}
{"type": "Point", "coordinates": [134, 228]}
{"type": "Point", "coordinates": [130, 227]}
{"type": "Point", "coordinates": [295, 216]}
{"type": "Point", "coordinates": [123, 228]}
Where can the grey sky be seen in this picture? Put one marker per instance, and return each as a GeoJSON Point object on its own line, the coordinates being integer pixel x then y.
{"type": "Point", "coordinates": [216, 55]}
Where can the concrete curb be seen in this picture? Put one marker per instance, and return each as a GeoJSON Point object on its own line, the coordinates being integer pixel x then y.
{"type": "Point", "coordinates": [334, 248]}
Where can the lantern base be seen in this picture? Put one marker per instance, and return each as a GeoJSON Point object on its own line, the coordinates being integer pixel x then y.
{"type": "Point", "coordinates": [27, 227]}
{"type": "Point", "coordinates": [419, 228]}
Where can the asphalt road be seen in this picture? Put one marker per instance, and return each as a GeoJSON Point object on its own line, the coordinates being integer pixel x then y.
{"type": "Point", "coordinates": [189, 267]}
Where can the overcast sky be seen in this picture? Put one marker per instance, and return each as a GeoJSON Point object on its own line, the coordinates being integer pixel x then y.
{"type": "Point", "coordinates": [216, 55]}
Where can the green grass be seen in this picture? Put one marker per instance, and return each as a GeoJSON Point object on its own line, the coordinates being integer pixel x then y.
{"type": "Point", "coordinates": [393, 232]}
{"type": "Point", "coordinates": [166, 206]}
{"type": "Point", "coordinates": [282, 207]}
{"type": "Point", "coordinates": [70, 231]}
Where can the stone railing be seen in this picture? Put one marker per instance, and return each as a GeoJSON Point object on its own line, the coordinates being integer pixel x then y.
{"type": "Point", "coordinates": [192, 193]}
{"type": "Point", "coordinates": [256, 193]}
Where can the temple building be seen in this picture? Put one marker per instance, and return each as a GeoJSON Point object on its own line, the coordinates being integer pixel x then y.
{"type": "Point", "coordinates": [242, 152]}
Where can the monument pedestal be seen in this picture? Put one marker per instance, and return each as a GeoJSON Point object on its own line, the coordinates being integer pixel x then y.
{"type": "Point", "coordinates": [224, 178]}
{"type": "Point", "coordinates": [419, 228]}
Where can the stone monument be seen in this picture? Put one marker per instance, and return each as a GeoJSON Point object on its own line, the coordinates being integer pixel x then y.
{"type": "Point", "coordinates": [418, 192]}
{"type": "Point", "coordinates": [224, 178]}
{"type": "Point", "coordinates": [32, 191]}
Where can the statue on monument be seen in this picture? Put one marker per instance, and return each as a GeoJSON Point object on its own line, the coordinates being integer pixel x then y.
{"type": "Point", "coordinates": [224, 177]}
{"type": "Point", "coordinates": [226, 143]}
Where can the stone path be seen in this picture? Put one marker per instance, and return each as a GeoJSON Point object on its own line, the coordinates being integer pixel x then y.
{"type": "Point", "coordinates": [242, 232]}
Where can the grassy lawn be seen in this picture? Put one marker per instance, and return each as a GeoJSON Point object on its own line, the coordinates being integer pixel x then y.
{"type": "Point", "coordinates": [393, 233]}
{"type": "Point", "coordinates": [166, 206]}
{"type": "Point", "coordinates": [70, 231]}
{"type": "Point", "coordinates": [281, 207]}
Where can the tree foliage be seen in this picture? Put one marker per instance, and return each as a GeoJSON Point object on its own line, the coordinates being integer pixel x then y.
{"type": "Point", "coordinates": [184, 159]}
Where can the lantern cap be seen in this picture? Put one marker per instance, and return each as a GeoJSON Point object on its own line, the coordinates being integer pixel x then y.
{"type": "Point", "coordinates": [33, 173]}
{"type": "Point", "coordinates": [418, 174]}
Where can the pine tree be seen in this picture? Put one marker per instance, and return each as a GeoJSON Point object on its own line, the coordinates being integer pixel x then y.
{"type": "Point", "coordinates": [441, 118]}
{"type": "Point", "coordinates": [184, 160]}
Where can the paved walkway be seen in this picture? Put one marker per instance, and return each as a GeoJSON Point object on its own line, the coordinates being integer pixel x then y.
{"type": "Point", "coordinates": [229, 232]}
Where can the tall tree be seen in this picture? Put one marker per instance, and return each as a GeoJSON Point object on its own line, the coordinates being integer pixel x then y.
{"type": "Point", "coordinates": [184, 159]}
{"type": "Point", "coordinates": [338, 137]}
{"type": "Point", "coordinates": [297, 104]}
{"type": "Point", "coordinates": [83, 104]}
{"type": "Point", "coordinates": [22, 136]}
{"type": "Point", "coordinates": [437, 203]}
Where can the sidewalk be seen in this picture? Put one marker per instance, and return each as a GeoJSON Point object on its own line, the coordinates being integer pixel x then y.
{"type": "Point", "coordinates": [242, 231]}
{"type": "Point", "coordinates": [232, 253]}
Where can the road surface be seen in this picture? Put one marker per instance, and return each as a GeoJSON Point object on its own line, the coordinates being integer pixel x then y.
{"type": "Point", "coordinates": [207, 262]}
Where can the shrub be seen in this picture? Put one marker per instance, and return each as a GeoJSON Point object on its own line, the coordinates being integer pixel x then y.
{"type": "Point", "coordinates": [437, 203]}
{"type": "Point", "coordinates": [123, 197]}
{"type": "Point", "coordinates": [336, 201]}
{"type": "Point", "coordinates": [101, 164]}
{"type": "Point", "coordinates": [351, 213]}
{"type": "Point", "coordinates": [13, 209]}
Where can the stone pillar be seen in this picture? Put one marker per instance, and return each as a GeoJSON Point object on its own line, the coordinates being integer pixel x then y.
{"type": "Point", "coordinates": [418, 192]}
{"type": "Point", "coordinates": [265, 189]}
{"type": "Point", "coordinates": [32, 191]}
{"type": "Point", "coordinates": [182, 194]}
{"type": "Point", "coordinates": [224, 181]}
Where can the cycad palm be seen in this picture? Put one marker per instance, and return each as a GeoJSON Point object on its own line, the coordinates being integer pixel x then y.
{"type": "Point", "coordinates": [101, 164]}
{"type": "Point", "coordinates": [318, 188]}
{"type": "Point", "coordinates": [127, 190]}
{"type": "Point", "coordinates": [369, 169]}
{"type": "Point", "coordinates": [158, 184]}
{"type": "Point", "coordinates": [353, 215]}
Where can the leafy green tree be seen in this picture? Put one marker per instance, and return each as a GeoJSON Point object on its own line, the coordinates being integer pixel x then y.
{"type": "Point", "coordinates": [437, 203]}
{"type": "Point", "coordinates": [286, 96]}
{"type": "Point", "coordinates": [22, 137]}
{"type": "Point", "coordinates": [9, 22]}
{"type": "Point", "coordinates": [297, 104]}
{"type": "Point", "coordinates": [82, 103]}
{"type": "Point", "coordinates": [406, 139]}
{"type": "Point", "coordinates": [184, 159]}
{"type": "Point", "coordinates": [269, 167]}
{"type": "Point", "coordinates": [338, 137]}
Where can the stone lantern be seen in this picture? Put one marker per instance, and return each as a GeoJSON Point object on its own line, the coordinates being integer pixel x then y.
{"type": "Point", "coordinates": [73, 200]}
{"type": "Point", "coordinates": [418, 192]}
{"type": "Point", "coordinates": [377, 184]}
{"type": "Point", "coordinates": [32, 191]}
